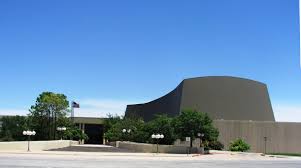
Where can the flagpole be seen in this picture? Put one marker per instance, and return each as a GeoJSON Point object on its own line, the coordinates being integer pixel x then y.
{"type": "Point", "coordinates": [72, 112]}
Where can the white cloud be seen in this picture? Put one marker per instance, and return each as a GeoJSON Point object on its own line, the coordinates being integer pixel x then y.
{"type": "Point", "coordinates": [88, 108]}
{"type": "Point", "coordinates": [287, 112]}
{"type": "Point", "coordinates": [14, 111]}
{"type": "Point", "coordinates": [101, 107]}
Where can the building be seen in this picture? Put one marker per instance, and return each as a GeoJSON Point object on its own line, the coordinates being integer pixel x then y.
{"type": "Point", "coordinates": [93, 127]}
{"type": "Point", "coordinates": [227, 98]}
{"type": "Point", "coordinates": [240, 108]}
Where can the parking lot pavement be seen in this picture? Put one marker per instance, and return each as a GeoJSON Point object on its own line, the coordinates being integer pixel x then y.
{"type": "Point", "coordinates": [136, 160]}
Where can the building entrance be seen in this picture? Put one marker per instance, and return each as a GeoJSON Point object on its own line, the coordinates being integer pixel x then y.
{"type": "Point", "coordinates": [95, 133]}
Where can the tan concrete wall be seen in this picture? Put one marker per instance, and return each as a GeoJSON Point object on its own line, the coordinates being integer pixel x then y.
{"type": "Point", "coordinates": [35, 145]}
{"type": "Point", "coordinates": [195, 143]}
{"type": "Point", "coordinates": [281, 136]}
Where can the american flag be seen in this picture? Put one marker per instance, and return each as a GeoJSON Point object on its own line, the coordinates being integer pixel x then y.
{"type": "Point", "coordinates": [75, 105]}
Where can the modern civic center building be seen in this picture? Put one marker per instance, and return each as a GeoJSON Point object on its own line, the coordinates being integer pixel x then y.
{"type": "Point", "coordinates": [223, 98]}
{"type": "Point", "coordinates": [240, 108]}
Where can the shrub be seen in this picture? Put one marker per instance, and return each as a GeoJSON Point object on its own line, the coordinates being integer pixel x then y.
{"type": "Point", "coordinates": [12, 128]}
{"type": "Point", "coordinates": [216, 145]}
{"type": "Point", "coordinates": [188, 124]}
{"type": "Point", "coordinates": [191, 122]}
{"type": "Point", "coordinates": [136, 134]}
{"type": "Point", "coordinates": [239, 145]}
{"type": "Point", "coordinates": [161, 124]}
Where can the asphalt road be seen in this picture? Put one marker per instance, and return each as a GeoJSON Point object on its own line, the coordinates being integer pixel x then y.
{"type": "Point", "coordinates": [90, 161]}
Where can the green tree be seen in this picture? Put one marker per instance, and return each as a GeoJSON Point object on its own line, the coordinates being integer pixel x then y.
{"type": "Point", "coordinates": [191, 122]}
{"type": "Point", "coordinates": [48, 109]}
{"type": "Point", "coordinates": [162, 124]}
{"type": "Point", "coordinates": [134, 131]}
{"type": "Point", "coordinates": [74, 133]}
{"type": "Point", "coordinates": [12, 128]}
{"type": "Point", "coordinates": [110, 121]}
{"type": "Point", "coordinates": [239, 145]}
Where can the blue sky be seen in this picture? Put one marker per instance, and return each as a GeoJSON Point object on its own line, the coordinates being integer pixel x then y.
{"type": "Point", "coordinates": [106, 54]}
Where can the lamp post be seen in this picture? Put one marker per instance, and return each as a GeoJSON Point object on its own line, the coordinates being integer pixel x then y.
{"type": "Point", "coordinates": [201, 135]}
{"type": "Point", "coordinates": [125, 131]}
{"type": "Point", "coordinates": [28, 134]}
{"type": "Point", "coordinates": [265, 144]}
{"type": "Point", "coordinates": [61, 129]}
{"type": "Point", "coordinates": [157, 137]}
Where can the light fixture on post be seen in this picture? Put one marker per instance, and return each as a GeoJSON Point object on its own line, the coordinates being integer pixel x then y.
{"type": "Point", "coordinates": [28, 134]}
{"type": "Point", "coordinates": [61, 129]}
{"type": "Point", "coordinates": [201, 135]}
{"type": "Point", "coordinates": [125, 131]}
{"type": "Point", "coordinates": [265, 144]}
{"type": "Point", "coordinates": [157, 137]}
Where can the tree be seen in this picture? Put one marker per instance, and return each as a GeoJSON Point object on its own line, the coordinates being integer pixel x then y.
{"type": "Point", "coordinates": [239, 145]}
{"type": "Point", "coordinates": [48, 109]}
{"type": "Point", "coordinates": [162, 124]}
{"type": "Point", "coordinates": [12, 128]}
{"type": "Point", "coordinates": [191, 122]}
{"type": "Point", "coordinates": [74, 133]}
{"type": "Point", "coordinates": [110, 121]}
{"type": "Point", "coordinates": [134, 130]}
{"type": "Point", "coordinates": [188, 124]}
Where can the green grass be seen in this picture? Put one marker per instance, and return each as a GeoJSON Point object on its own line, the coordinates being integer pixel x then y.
{"type": "Point", "coordinates": [286, 154]}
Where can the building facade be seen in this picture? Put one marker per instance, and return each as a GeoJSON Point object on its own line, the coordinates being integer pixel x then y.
{"type": "Point", "coordinates": [222, 97]}
{"type": "Point", "coordinates": [240, 108]}
{"type": "Point", "coordinates": [93, 127]}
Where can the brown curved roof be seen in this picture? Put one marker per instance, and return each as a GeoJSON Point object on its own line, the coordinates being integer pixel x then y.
{"type": "Point", "coordinates": [222, 97]}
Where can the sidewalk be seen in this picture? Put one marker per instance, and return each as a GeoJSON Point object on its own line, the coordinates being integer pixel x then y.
{"type": "Point", "coordinates": [215, 155]}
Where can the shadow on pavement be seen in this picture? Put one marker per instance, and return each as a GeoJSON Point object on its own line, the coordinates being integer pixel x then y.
{"type": "Point", "coordinates": [93, 148]}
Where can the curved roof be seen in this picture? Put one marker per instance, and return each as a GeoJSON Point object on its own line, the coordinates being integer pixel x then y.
{"type": "Point", "coordinates": [222, 97]}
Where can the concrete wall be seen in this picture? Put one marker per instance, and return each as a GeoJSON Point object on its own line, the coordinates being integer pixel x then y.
{"type": "Point", "coordinates": [195, 143]}
{"type": "Point", "coordinates": [35, 145]}
{"type": "Point", "coordinates": [281, 136]}
{"type": "Point", "coordinates": [152, 148]}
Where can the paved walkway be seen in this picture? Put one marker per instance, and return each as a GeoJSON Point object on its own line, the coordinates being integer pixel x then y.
{"type": "Point", "coordinates": [60, 159]}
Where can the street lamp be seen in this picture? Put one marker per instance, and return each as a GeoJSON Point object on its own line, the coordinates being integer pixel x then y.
{"type": "Point", "coordinates": [61, 129]}
{"type": "Point", "coordinates": [28, 134]}
{"type": "Point", "coordinates": [157, 137]}
{"type": "Point", "coordinates": [124, 131]}
{"type": "Point", "coordinates": [201, 135]}
{"type": "Point", "coordinates": [265, 144]}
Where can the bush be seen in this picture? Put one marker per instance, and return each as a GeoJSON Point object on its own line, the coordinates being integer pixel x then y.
{"type": "Point", "coordinates": [216, 145]}
{"type": "Point", "coordinates": [188, 124]}
{"type": "Point", "coordinates": [12, 128]}
{"type": "Point", "coordinates": [162, 124]}
{"type": "Point", "coordinates": [74, 133]}
{"type": "Point", "coordinates": [239, 145]}
{"type": "Point", "coordinates": [191, 122]}
{"type": "Point", "coordinates": [136, 134]}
